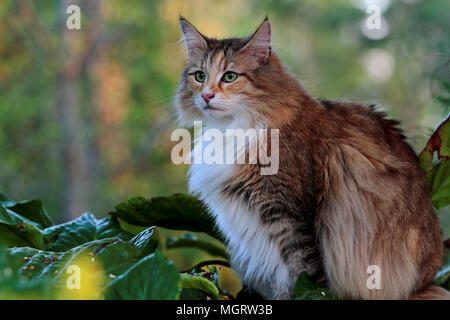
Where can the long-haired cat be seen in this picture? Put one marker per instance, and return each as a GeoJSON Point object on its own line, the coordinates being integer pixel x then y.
{"type": "Point", "coordinates": [348, 193]}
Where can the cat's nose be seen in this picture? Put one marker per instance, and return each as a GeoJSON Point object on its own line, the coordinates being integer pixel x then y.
{"type": "Point", "coordinates": [207, 96]}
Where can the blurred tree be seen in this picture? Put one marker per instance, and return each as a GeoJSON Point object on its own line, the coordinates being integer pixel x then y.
{"type": "Point", "coordinates": [74, 150]}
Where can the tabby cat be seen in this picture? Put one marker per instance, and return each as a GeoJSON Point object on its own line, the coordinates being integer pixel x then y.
{"type": "Point", "coordinates": [348, 194]}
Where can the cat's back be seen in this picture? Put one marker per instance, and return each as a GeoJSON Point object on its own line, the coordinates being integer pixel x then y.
{"type": "Point", "coordinates": [374, 180]}
{"type": "Point", "coordinates": [366, 126]}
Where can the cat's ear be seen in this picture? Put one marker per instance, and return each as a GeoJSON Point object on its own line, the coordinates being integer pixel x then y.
{"type": "Point", "coordinates": [259, 47]}
{"type": "Point", "coordinates": [195, 42]}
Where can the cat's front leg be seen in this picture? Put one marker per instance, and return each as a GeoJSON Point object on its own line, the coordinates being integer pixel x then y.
{"type": "Point", "coordinates": [297, 247]}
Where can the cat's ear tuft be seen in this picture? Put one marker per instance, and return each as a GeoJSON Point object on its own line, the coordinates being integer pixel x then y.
{"type": "Point", "coordinates": [259, 47]}
{"type": "Point", "coordinates": [195, 42]}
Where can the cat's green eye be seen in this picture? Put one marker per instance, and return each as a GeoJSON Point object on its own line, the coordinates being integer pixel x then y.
{"type": "Point", "coordinates": [200, 76]}
{"type": "Point", "coordinates": [229, 76]}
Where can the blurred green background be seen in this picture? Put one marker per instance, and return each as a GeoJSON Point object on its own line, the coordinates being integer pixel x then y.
{"type": "Point", "coordinates": [86, 115]}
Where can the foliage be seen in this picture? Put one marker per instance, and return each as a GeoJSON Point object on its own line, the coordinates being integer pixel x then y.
{"type": "Point", "coordinates": [434, 160]}
{"type": "Point", "coordinates": [443, 276]}
{"type": "Point", "coordinates": [306, 289]}
{"type": "Point", "coordinates": [153, 277]}
{"type": "Point", "coordinates": [121, 257]}
{"type": "Point", "coordinates": [113, 263]}
{"type": "Point", "coordinates": [188, 240]}
{"type": "Point", "coordinates": [178, 211]}
{"type": "Point", "coordinates": [438, 170]}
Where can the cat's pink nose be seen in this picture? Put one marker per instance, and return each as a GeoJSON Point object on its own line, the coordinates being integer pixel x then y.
{"type": "Point", "coordinates": [207, 96]}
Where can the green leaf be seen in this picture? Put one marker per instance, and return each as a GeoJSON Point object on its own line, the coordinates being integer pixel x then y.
{"type": "Point", "coordinates": [14, 285]}
{"type": "Point", "coordinates": [192, 294]}
{"type": "Point", "coordinates": [438, 172]}
{"type": "Point", "coordinates": [51, 267]}
{"type": "Point", "coordinates": [444, 219]}
{"type": "Point", "coordinates": [196, 282]}
{"type": "Point", "coordinates": [21, 235]}
{"type": "Point", "coordinates": [152, 278]}
{"type": "Point", "coordinates": [82, 230]}
{"type": "Point", "coordinates": [306, 289]}
{"type": "Point", "coordinates": [118, 258]}
{"type": "Point", "coordinates": [442, 277]}
{"type": "Point", "coordinates": [115, 255]}
{"type": "Point", "coordinates": [439, 184]}
{"type": "Point", "coordinates": [317, 294]}
{"type": "Point", "coordinates": [440, 142]}
{"type": "Point", "coordinates": [11, 218]}
{"type": "Point", "coordinates": [111, 257]}
{"type": "Point", "coordinates": [99, 246]}
{"type": "Point", "coordinates": [16, 230]}
{"type": "Point", "coordinates": [46, 262]}
{"type": "Point", "coordinates": [130, 228]}
{"type": "Point", "coordinates": [201, 281]}
{"type": "Point", "coordinates": [32, 210]}
{"type": "Point", "coordinates": [145, 242]}
{"type": "Point", "coordinates": [178, 211]}
{"type": "Point", "coordinates": [191, 241]}
{"type": "Point", "coordinates": [304, 284]}
{"type": "Point", "coordinates": [207, 263]}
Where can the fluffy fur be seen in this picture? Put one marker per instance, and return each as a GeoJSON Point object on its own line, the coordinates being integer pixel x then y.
{"type": "Point", "coordinates": [348, 193]}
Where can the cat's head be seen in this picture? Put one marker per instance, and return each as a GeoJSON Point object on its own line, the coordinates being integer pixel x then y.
{"type": "Point", "coordinates": [227, 79]}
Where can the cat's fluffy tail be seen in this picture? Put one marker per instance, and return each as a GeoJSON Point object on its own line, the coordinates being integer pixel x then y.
{"type": "Point", "coordinates": [431, 292]}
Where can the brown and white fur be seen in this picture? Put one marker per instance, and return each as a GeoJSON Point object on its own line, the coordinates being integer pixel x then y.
{"type": "Point", "coordinates": [348, 193]}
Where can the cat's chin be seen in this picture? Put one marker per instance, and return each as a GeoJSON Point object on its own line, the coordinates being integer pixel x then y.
{"type": "Point", "coordinates": [215, 113]}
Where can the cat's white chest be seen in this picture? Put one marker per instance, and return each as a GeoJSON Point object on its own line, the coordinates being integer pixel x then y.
{"type": "Point", "coordinates": [256, 259]}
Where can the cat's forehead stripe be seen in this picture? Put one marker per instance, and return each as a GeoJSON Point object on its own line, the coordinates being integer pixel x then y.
{"type": "Point", "coordinates": [221, 52]}
{"type": "Point", "coordinates": [221, 60]}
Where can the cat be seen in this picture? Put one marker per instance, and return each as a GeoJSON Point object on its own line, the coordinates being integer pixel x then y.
{"type": "Point", "coordinates": [348, 194]}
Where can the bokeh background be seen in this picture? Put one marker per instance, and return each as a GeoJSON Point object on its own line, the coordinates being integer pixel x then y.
{"type": "Point", "coordinates": [86, 115]}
